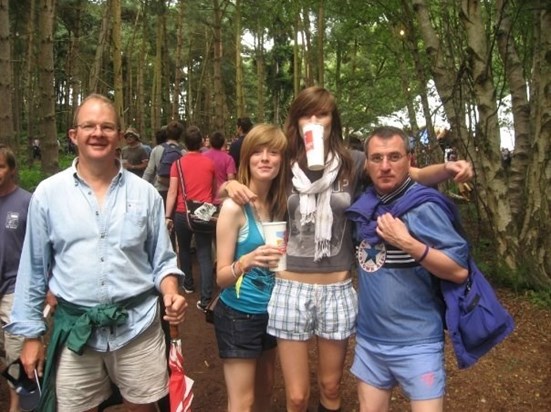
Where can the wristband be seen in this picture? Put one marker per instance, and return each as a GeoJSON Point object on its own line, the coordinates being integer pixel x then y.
{"type": "Point", "coordinates": [232, 267]}
{"type": "Point", "coordinates": [424, 255]}
{"type": "Point", "coordinates": [168, 218]}
{"type": "Point", "coordinates": [241, 267]}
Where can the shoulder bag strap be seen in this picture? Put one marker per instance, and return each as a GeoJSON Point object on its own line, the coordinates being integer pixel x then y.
{"type": "Point", "coordinates": [181, 178]}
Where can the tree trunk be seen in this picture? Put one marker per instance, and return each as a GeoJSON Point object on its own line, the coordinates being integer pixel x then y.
{"type": "Point", "coordinates": [534, 237]}
{"type": "Point", "coordinates": [178, 63]}
{"type": "Point", "coordinates": [96, 70]}
{"type": "Point", "coordinates": [48, 141]}
{"type": "Point", "coordinates": [76, 75]}
{"type": "Point", "coordinates": [240, 100]}
{"type": "Point", "coordinates": [6, 84]}
{"type": "Point", "coordinates": [218, 92]}
{"type": "Point", "coordinates": [443, 71]}
{"type": "Point", "coordinates": [140, 75]}
{"type": "Point", "coordinates": [307, 49]}
{"type": "Point", "coordinates": [520, 109]}
{"type": "Point", "coordinates": [30, 78]}
{"type": "Point", "coordinates": [321, 38]}
{"type": "Point", "coordinates": [411, 42]}
{"type": "Point", "coordinates": [296, 55]}
{"type": "Point", "coordinates": [158, 71]}
{"type": "Point", "coordinates": [261, 76]}
{"type": "Point", "coordinates": [488, 138]}
{"type": "Point", "coordinates": [117, 60]}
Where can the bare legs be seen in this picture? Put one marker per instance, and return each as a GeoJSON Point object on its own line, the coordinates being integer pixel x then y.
{"type": "Point", "coordinates": [296, 372]}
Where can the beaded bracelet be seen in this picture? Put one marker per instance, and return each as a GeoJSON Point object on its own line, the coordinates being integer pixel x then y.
{"type": "Point", "coordinates": [232, 267]}
{"type": "Point", "coordinates": [424, 255]}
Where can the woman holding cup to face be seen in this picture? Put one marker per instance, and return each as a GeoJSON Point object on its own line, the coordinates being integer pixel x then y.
{"type": "Point", "coordinates": [314, 297]}
{"type": "Point", "coordinates": [250, 246]}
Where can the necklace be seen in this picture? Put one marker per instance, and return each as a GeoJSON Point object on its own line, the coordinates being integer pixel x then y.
{"type": "Point", "coordinates": [260, 217]}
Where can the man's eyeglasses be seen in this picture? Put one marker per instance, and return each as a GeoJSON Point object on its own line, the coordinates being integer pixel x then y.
{"type": "Point", "coordinates": [106, 128]}
{"type": "Point", "coordinates": [391, 157]}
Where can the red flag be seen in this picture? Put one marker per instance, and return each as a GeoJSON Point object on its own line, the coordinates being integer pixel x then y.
{"type": "Point", "coordinates": [179, 385]}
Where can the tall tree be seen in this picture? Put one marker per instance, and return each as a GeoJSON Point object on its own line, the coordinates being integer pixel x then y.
{"type": "Point", "coordinates": [30, 78]}
{"type": "Point", "coordinates": [178, 61]}
{"type": "Point", "coordinates": [218, 90]}
{"type": "Point", "coordinates": [103, 37]}
{"type": "Point", "coordinates": [516, 79]}
{"type": "Point", "coordinates": [534, 235]}
{"type": "Point", "coordinates": [240, 100]}
{"type": "Point", "coordinates": [6, 84]}
{"type": "Point", "coordinates": [158, 68]}
{"type": "Point", "coordinates": [472, 82]}
{"type": "Point", "coordinates": [320, 44]}
{"type": "Point", "coordinates": [117, 59]}
{"type": "Point", "coordinates": [48, 132]}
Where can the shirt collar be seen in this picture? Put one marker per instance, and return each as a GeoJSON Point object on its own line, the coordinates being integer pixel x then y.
{"type": "Point", "coordinates": [118, 179]}
{"type": "Point", "coordinates": [399, 191]}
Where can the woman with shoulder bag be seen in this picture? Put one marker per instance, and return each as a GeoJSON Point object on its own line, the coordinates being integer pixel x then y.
{"type": "Point", "coordinates": [245, 273]}
{"type": "Point", "coordinates": [199, 184]}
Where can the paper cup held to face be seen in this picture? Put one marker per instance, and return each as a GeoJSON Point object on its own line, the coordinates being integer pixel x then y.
{"type": "Point", "coordinates": [275, 234]}
{"type": "Point", "coordinates": [313, 142]}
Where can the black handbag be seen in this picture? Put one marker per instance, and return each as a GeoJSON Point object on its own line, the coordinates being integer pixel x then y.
{"type": "Point", "coordinates": [209, 310]}
{"type": "Point", "coordinates": [200, 216]}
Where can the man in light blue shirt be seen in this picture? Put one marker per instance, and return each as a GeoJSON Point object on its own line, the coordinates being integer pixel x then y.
{"type": "Point", "coordinates": [96, 238]}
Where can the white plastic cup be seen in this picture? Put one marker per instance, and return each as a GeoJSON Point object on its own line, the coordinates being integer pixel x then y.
{"type": "Point", "coordinates": [313, 142]}
{"type": "Point", "coordinates": [275, 234]}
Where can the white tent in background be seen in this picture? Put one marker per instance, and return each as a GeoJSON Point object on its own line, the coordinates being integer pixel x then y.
{"type": "Point", "coordinates": [400, 118]}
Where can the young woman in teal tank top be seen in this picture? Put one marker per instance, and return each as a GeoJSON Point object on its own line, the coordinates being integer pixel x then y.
{"type": "Point", "coordinates": [243, 272]}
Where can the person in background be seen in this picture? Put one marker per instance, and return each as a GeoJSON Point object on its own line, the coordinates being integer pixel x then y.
{"type": "Point", "coordinates": [167, 135]}
{"type": "Point", "coordinates": [244, 124]}
{"type": "Point", "coordinates": [14, 203]}
{"type": "Point", "coordinates": [241, 316]}
{"type": "Point", "coordinates": [206, 144]}
{"type": "Point", "coordinates": [354, 142]}
{"type": "Point", "coordinates": [400, 328]}
{"type": "Point", "coordinates": [134, 156]}
{"type": "Point", "coordinates": [37, 153]}
{"type": "Point", "coordinates": [200, 182]}
{"type": "Point", "coordinates": [96, 238]}
{"type": "Point", "coordinates": [147, 148]}
{"type": "Point", "coordinates": [314, 298]}
{"type": "Point", "coordinates": [224, 165]}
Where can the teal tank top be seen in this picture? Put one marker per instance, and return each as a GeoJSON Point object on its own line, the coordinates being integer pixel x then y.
{"type": "Point", "coordinates": [258, 283]}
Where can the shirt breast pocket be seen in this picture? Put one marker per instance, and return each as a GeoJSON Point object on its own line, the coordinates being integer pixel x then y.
{"type": "Point", "coordinates": [134, 226]}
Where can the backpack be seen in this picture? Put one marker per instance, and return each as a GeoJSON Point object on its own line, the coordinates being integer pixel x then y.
{"type": "Point", "coordinates": [171, 153]}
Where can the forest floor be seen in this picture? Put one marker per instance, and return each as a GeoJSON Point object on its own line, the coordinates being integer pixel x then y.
{"type": "Point", "coordinates": [514, 376]}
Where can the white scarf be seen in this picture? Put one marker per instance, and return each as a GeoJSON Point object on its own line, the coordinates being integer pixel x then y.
{"type": "Point", "coordinates": [315, 204]}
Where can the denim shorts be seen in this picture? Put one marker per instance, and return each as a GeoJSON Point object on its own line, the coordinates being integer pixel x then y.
{"type": "Point", "coordinates": [418, 369]}
{"type": "Point", "coordinates": [300, 310]}
{"type": "Point", "coordinates": [239, 334]}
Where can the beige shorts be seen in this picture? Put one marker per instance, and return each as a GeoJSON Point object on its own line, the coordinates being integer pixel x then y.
{"type": "Point", "coordinates": [12, 344]}
{"type": "Point", "coordinates": [139, 369]}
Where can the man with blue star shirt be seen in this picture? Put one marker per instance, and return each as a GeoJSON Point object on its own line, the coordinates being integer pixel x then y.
{"type": "Point", "coordinates": [407, 244]}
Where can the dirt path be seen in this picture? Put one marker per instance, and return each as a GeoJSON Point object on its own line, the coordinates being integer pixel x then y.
{"type": "Point", "coordinates": [516, 376]}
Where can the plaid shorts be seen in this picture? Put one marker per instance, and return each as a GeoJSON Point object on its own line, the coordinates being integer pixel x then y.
{"type": "Point", "coordinates": [298, 311]}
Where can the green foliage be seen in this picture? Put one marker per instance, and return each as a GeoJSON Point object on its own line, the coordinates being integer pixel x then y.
{"type": "Point", "coordinates": [30, 177]}
{"type": "Point", "coordinates": [541, 298]}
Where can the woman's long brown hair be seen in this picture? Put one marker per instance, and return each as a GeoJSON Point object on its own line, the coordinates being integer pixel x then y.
{"type": "Point", "coordinates": [310, 101]}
